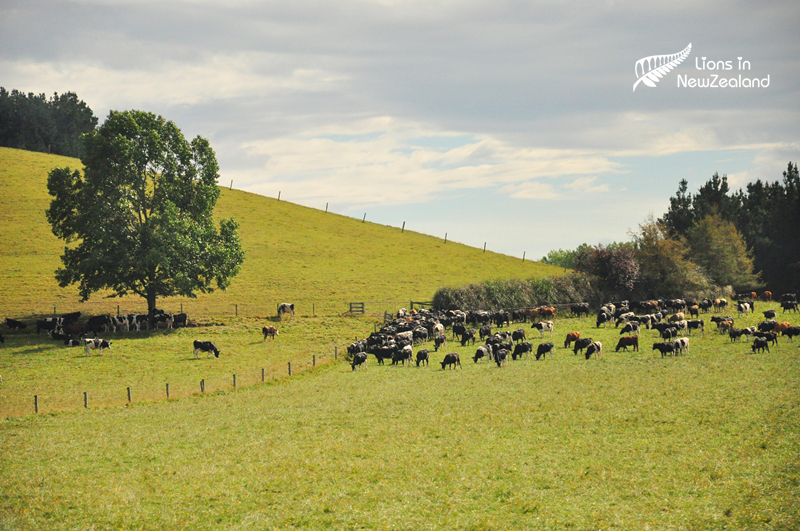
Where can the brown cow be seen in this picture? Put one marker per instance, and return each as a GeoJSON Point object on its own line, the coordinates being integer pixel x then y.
{"type": "Point", "coordinates": [767, 296]}
{"type": "Point", "coordinates": [572, 336]}
{"type": "Point", "coordinates": [269, 331]}
{"type": "Point", "coordinates": [677, 317]}
{"type": "Point", "coordinates": [780, 327]}
{"type": "Point", "coordinates": [628, 341]}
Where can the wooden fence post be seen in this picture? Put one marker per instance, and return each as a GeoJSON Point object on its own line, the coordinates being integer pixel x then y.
{"type": "Point", "coordinates": [326, 208]}
{"type": "Point", "coordinates": [314, 360]}
{"type": "Point", "coordinates": [202, 386]}
{"type": "Point", "coordinates": [129, 395]}
{"type": "Point", "coordinates": [35, 403]}
{"type": "Point", "coordinates": [167, 391]}
{"type": "Point", "coordinates": [484, 247]}
{"type": "Point", "coordinates": [237, 310]}
{"type": "Point", "coordinates": [262, 374]}
{"type": "Point", "coordinates": [335, 353]}
{"type": "Point", "coordinates": [365, 218]}
{"type": "Point", "coordinates": [279, 195]}
{"type": "Point", "coordinates": [404, 228]}
{"type": "Point", "coordinates": [290, 368]}
{"type": "Point", "coordinates": [523, 256]}
{"type": "Point", "coordinates": [85, 400]}
{"type": "Point", "coordinates": [234, 380]}
{"type": "Point", "coordinates": [445, 237]}
{"type": "Point", "coordinates": [314, 309]}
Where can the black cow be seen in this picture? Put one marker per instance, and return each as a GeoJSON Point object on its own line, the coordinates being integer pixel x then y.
{"type": "Point", "coordinates": [518, 335]}
{"type": "Point", "coordinates": [769, 314]}
{"type": "Point", "coordinates": [696, 325]}
{"type": "Point", "coordinates": [485, 331]}
{"type": "Point", "coordinates": [581, 344]}
{"type": "Point", "coordinates": [520, 349]}
{"type": "Point", "coordinates": [760, 343]}
{"type": "Point", "coordinates": [382, 353]}
{"type": "Point", "coordinates": [467, 336]}
{"type": "Point", "coordinates": [766, 326]}
{"type": "Point", "coordinates": [360, 358]}
{"type": "Point", "coordinates": [628, 341]}
{"type": "Point", "coordinates": [452, 360]}
{"type": "Point", "coordinates": [422, 357]}
{"type": "Point", "coordinates": [735, 334]}
{"type": "Point", "coordinates": [205, 346]}
{"type": "Point", "coordinates": [791, 332]}
{"type": "Point", "coordinates": [13, 324]}
{"type": "Point", "coordinates": [501, 357]}
{"type": "Point", "coordinates": [284, 308]}
{"type": "Point", "coordinates": [48, 325]}
{"type": "Point", "coordinates": [543, 349]}
{"type": "Point", "coordinates": [458, 329]}
{"type": "Point", "coordinates": [95, 344]}
{"type": "Point", "coordinates": [580, 308]}
{"type": "Point", "coordinates": [180, 319]}
{"type": "Point", "coordinates": [403, 355]}
{"type": "Point", "coordinates": [789, 305]}
{"type": "Point", "coordinates": [98, 323]}
{"type": "Point", "coordinates": [669, 332]}
{"type": "Point", "coordinates": [666, 348]}
{"type": "Point", "coordinates": [68, 318]}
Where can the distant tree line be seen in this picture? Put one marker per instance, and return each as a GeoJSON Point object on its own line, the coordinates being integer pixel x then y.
{"type": "Point", "coordinates": [35, 123]}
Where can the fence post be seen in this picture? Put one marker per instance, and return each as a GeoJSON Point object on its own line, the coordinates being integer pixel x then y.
{"type": "Point", "coordinates": [54, 309]}
{"type": "Point", "coordinates": [35, 403]}
{"type": "Point", "coordinates": [445, 237]}
{"type": "Point", "coordinates": [484, 247]}
{"type": "Point", "coordinates": [335, 353]}
{"type": "Point", "coordinates": [129, 395]}
{"type": "Point", "coordinates": [290, 368]}
{"type": "Point", "coordinates": [167, 391]}
{"type": "Point", "coordinates": [202, 386]}
{"type": "Point", "coordinates": [523, 256]}
{"type": "Point", "coordinates": [234, 380]}
{"type": "Point", "coordinates": [326, 208]}
{"type": "Point", "coordinates": [262, 374]}
{"type": "Point", "coordinates": [404, 228]}
{"type": "Point", "coordinates": [85, 400]}
{"type": "Point", "coordinates": [314, 309]}
{"type": "Point", "coordinates": [314, 360]}
{"type": "Point", "coordinates": [237, 310]}
{"type": "Point", "coordinates": [231, 188]}
{"type": "Point", "coordinates": [279, 195]}
{"type": "Point", "coordinates": [365, 217]}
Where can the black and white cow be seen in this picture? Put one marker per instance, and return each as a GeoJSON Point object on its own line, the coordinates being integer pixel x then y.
{"type": "Point", "coordinates": [544, 326]}
{"type": "Point", "coordinates": [630, 328]}
{"type": "Point", "coordinates": [73, 342]}
{"type": "Point", "coordinates": [95, 344]}
{"type": "Point", "coordinates": [360, 358]}
{"type": "Point", "coordinates": [284, 308]}
{"type": "Point", "coordinates": [205, 346]}
{"type": "Point", "coordinates": [543, 349]}
{"type": "Point", "coordinates": [595, 348]}
{"type": "Point", "coordinates": [482, 352]}
{"type": "Point", "coordinates": [438, 341]}
{"type": "Point", "coordinates": [581, 344]}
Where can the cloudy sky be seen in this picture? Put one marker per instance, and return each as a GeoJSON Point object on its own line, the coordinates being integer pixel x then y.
{"type": "Point", "coordinates": [511, 123]}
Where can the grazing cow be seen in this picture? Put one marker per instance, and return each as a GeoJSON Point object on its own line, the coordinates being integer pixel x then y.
{"type": "Point", "coordinates": [359, 358]}
{"type": "Point", "coordinates": [544, 326]}
{"type": "Point", "coordinates": [68, 318]}
{"type": "Point", "coordinates": [694, 325]}
{"type": "Point", "coordinates": [543, 349]}
{"type": "Point", "coordinates": [767, 326]}
{"type": "Point", "coordinates": [581, 344]}
{"type": "Point", "coordinates": [580, 308]}
{"type": "Point", "coordinates": [467, 336]}
{"type": "Point", "coordinates": [520, 350]}
{"type": "Point", "coordinates": [422, 357]}
{"type": "Point", "coordinates": [438, 341]}
{"type": "Point", "coordinates": [720, 304]}
{"type": "Point", "coordinates": [458, 329]}
{"type": "Point", "coordinates": [95, 344]}
{"type": "Point", "coordinates": [735, 334]}
{"type": "Point", "coordinates": [269, 331]}
{"type": "Point", "coordinates": [624, 318]}
{"type": "Point", "coordinates": [482, 352]}
{"type": "Point", "coordinates": [780, 327]}
{"type": "Point", "coordinates": [666, 348]}
{"type": "Point", "coordinates": [683, 345]}
{"type": "Point", "coordinates": [769, 314]}
{"type": "Point", "coordinates": [791, 332]}
{"type": "Point", "coordinates": [205, 346]}
{"type": "Point", "coordinates": [485, 331]}
{"type": "Point", "coordinates": [595, 347]}
{"type": "Point", "coordinates": [760, 343]}
{"type": "Point", "coordinates": [403, 355]}
{"type": "Point", "coordinates": [382, 353]}
{"type": "Point", "coordinates": [744, 307]}
{"type": "Point", "coordinates": [603, 318]}
{"type": "Point", "coordinates": [669, 333]}
{"type": "Point", "coordinates": [452, 360]}
{"type": "Point", "coordinates": [518, 335]}
{"type": "Point", "coordinates": [628, 341]}
{"type": "Point", "coordinates": [420, 335]}
{"type": "Point", "coordinates": [630, 328]}
{"type": "Point", "coordinates": [284, 308]}
{"type": "Point", "coordinates": [572, 336]}
{"type": "Point", "coordinates": [694, 311]}
{"type": "Point", "coordinates": [13, 324]}
{"type": "Point", "coordinates": [501, 357]}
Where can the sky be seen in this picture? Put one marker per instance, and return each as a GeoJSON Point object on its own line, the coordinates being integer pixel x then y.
{"type": "Point", "coordinates": [514, 124]}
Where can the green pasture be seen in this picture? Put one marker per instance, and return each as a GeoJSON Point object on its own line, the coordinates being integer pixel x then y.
{"type": "Point", "coordinates": [629, 441]}
{"type": "Point", "coordinates": [320, 261]}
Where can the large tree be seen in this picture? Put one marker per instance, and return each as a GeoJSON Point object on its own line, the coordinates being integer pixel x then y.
{"type": "Point", "coordinates": [721, 251]}
{"type": "Point", "coordinates": [139, 219]}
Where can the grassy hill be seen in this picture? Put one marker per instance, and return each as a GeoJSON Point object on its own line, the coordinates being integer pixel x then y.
{"type": "Point", "coordinates": [293, 253]}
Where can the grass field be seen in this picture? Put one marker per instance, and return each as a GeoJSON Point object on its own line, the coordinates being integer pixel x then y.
{"type": "Point", "coordinates": [319, 261]}
{"type": "Point", "coordinates": [709, 440]}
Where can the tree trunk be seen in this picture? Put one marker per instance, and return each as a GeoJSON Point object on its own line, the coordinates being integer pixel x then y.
{"type": "Point", "coordinates": [151, 298]}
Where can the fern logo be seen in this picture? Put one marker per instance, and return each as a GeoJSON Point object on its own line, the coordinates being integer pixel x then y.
{"type": "Point", "coordinates": [649, 70]}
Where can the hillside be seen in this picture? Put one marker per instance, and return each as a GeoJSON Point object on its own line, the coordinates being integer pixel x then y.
{"type": "Point", "coordinates": [320, 261]}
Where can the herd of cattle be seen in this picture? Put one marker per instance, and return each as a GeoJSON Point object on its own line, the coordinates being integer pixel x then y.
{"type": "Point", "coordinates": [396, 339]}
{"type": "Point", "coordinates": [66, 328]}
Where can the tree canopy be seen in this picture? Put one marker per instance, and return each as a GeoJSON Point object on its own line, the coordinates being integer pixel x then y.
{"type": "Point", "coordinates": [33, 122]}
{"type": "Point", "coordinates": [139, 220]}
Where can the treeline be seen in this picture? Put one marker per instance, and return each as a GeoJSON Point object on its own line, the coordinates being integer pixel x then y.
{"type": "Point", "coordinates": [711, 243]}
{"type": "Point", "coordinates": [35, 123]}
